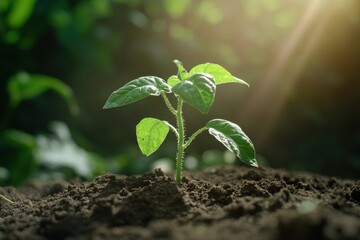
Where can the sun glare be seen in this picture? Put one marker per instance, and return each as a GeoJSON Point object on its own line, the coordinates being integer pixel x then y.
{"type": "Point", "coordinates": [287, 66]}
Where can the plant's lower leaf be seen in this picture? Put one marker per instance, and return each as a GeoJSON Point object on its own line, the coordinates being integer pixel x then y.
{"type": "Point", "coordinates": [136, 90]}
{"type": "Point", "coordinates": [150, 134]}
{"type": "Point", "coordinates": [220, 74]}
{"type": "Point", "coordinates": [197, 91]}
{"type": "Point", "coordinates": [234, 139]}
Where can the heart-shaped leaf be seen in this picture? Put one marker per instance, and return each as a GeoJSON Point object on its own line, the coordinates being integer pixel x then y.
{"type": "Point", "coordinates": [136, 90]}
{"type": "Point", "coordinates": [197, 91]}
{"type": "Point", "coordinates": [150, 134]}
{"type": "Point", "coordinates": [220, 74]}
{"type": "Point", "coordinates": [173, 80]}
{"type": "Point", "coordinates": [234, 139]}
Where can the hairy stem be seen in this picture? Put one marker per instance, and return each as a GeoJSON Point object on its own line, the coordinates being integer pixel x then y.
{"type": "Point", "coordinates": [181, 131]}
{"type": "Point", "coordinates": [168, 104]}
{"type": "Point", "coordinates": [192, 138]}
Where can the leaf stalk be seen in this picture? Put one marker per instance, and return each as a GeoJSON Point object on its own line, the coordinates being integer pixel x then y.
{"type": "Point", "coordinates": [192, 138]}
{"type": "Point", "coordinates": [168, 104]}
{"type": "Point", "coordinates": [175, 131]}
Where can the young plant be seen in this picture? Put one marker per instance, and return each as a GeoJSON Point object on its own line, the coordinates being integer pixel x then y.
{"type": "Point", "coordinates": [196, 88]}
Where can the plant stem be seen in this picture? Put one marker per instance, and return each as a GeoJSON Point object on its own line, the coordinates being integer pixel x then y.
{"type": "Point", "coordinates": [192, 138]}
{"type": "Point", "coordinates": [168, 104]}
{"type": "Point", "coordinates": [181, 131]}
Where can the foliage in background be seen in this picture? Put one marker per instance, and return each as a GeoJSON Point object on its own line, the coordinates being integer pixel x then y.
{"type": "Point", "coordinates": [19, 149]}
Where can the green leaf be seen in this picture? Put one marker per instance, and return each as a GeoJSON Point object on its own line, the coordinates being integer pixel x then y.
{"type": "Point", "coordinates": [24, 86]}
{"type": "Point", "coordinates": [182, 73]}
{"type": "Point", "coordinates": [234, 139]}
{"type": "Point", "coordinates": [18, 138]}
{"type": "Point", "coordinates": [19, 157]}
{"type": "Point", "coordinates": [197, 91]}
{"type": "Point", "coordinates": [4, 5]}
{"type": "Point", "coordinates": [20, 12]}
{"type": "Point", "coordinates": [136, 90]}
{"type": "Point", "coordinates": [220, 74]}
{"type": "Point", "coordinates": [150, 134]}
{"type": "Point", "coordinates": [173, 80]}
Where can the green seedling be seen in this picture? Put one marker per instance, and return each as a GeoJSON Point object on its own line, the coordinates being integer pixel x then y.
{"type": "Point", "coordinates": [196, 88]}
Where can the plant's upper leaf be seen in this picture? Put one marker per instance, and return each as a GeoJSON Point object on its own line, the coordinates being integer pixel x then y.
{"type": "Point", "coordinates": [234, 139]}
{"type": "Point", "coordinates": [198, 91]}
{"type": "Point", "coordinates": [173, 80]}
{"type": "Point", "coordinates": [220, 74]}
{"type": "Point", "coordinates": [150, 134]}
{"type": "Point", "coordinates": [136, 90]}
{"type": "Point", "coordinates": [24, 86]}
{"type": "Point", "coordinates": [182, 73]}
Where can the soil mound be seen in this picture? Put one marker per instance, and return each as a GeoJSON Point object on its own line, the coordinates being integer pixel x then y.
{"type": "Point", "coordinates": [220, 203]}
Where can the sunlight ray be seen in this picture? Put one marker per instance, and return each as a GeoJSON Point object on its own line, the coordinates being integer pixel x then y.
{"type": "Point", "coordinates": [268, 92]}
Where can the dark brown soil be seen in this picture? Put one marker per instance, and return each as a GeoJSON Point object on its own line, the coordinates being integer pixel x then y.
{"type": "Point", "coordinates": [220, 203]}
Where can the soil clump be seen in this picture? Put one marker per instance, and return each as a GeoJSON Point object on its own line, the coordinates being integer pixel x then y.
{"type": "Point", "coordinates": [226, 202]}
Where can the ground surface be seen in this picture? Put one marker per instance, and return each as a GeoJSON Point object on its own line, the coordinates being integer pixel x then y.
{"type": "Point", "coordinates": [220, 203]}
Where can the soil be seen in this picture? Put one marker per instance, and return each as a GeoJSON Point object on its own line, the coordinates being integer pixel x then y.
{"type": "Point", "coordinates": [219, 203]}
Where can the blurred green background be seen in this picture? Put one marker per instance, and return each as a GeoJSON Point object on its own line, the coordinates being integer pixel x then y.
{"type": "Point", "coordinates": [60, 60]}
